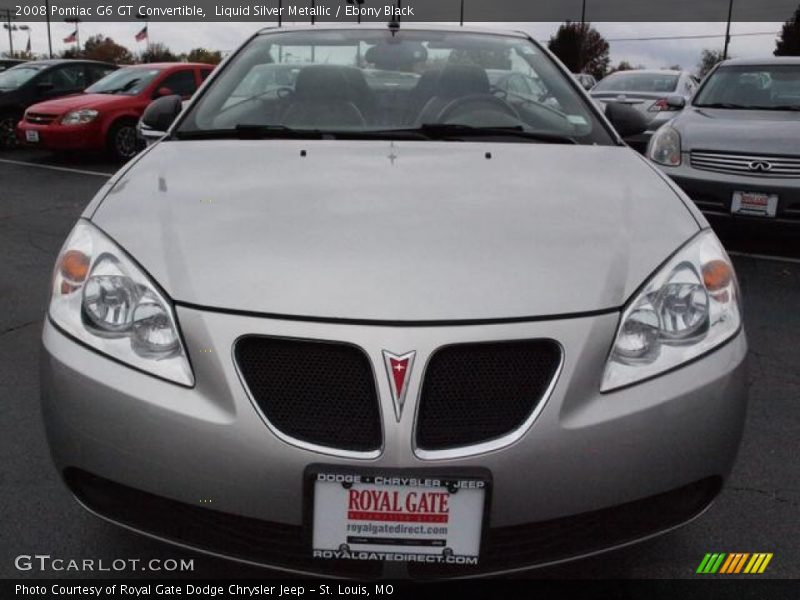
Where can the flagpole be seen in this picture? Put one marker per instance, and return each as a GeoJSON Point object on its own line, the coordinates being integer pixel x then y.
{"type": "Point", "coordinates": [27, 30]}
{"type": "Point", "coordinates": [49, 38]}
{"type": "Point", "coordinates": [8, 26]}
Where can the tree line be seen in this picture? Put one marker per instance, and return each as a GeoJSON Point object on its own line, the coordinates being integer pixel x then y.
{"type": "Point", "coordinates": [584, 50]}
{"type": "Point", "coordinates": [105, 49]}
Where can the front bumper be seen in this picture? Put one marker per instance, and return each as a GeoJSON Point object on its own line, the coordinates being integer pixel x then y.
{"type": "Point", "coordinates": [55, 136]}
{"type": "Point", "coordinates": [712, 192]}
{"type": "Point", "coordinates": [116, 430]}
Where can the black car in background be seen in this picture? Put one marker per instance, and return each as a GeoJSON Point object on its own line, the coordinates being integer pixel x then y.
{"type": "Point", "coordinates": [7, 63]}
{"type": "Point", "coordinates": [35, 81]}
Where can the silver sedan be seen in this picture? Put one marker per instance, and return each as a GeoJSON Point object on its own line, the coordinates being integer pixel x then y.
{"type": "Point", "coordinates": [735, 150]}
{"type": "Point", "coordinates": [353, 330]}
{"type": "Point", "coordinates": [659, 95]}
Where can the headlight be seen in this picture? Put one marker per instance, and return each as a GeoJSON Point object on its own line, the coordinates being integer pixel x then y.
{"type": "Point", "coordinates": [104, 300]}
{"type": "Point", "coordinates": [665, 147]}
{"type": "Point", "coordinates": [688, 308]}
{"type": "Point", "coordinates": [79, 117]}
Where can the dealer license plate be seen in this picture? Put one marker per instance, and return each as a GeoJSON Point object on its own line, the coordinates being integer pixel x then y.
{"type": "Point", "coordinates": [398, 517]}
{"type": "Point", "coordinates": [754, 204]}
{"type": "Point", "coordinates": [32, 136]}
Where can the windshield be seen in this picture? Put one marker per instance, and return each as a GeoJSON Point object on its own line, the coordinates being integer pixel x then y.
{"type": "Point", "coordinates": [128, 82]}
{"type": "Point", "coordinates": [17, 76]}
{"type": "Point", "coordinates": [631, 81]}
{"type": "Point", "coordinates": [369, 81]}
{"type": "Point", "coordinates": [774, 87]}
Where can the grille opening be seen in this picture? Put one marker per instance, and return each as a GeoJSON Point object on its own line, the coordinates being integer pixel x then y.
{"type": "Point", "coordinates": [322, 393]}
{"type": "Point", "coordinates": [743, 164]}
{"type": "Point", "coordinates": [475, 393]}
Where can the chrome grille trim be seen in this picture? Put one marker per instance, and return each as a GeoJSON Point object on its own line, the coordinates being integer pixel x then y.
{"type": "Point", "coordinates": [494, 444]}
{"type": "Point", "coordinates": [743, 164]}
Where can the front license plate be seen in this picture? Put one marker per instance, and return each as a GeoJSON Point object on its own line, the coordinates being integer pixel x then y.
{"type": "Point", "coordinates": [398, 516]}
{"type": "Point", "coordinates": [754, 204]}
{"type": "Point", "coordinates": [32, 136]}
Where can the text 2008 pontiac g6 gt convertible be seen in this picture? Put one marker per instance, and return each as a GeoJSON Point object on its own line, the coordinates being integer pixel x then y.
{"type": "Point", "coordinates": [361, 308]}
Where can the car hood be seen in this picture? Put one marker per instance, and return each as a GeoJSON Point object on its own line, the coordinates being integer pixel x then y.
{"type": "Point", "coordinates": [59, 106]}
{"type": "Point", "coordinates": [749, 131]}
{"type": "Point", "coordinates": [409, 231]}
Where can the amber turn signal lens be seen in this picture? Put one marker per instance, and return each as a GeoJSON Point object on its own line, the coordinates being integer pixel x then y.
{"type": "Point", "coordinates": [74, 266]}
{"type": "Point", "coordinates": [717, 275]}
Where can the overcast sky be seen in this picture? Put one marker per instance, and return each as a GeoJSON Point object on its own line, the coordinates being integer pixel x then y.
{"type": "Point", "coordinates": [181, 37]}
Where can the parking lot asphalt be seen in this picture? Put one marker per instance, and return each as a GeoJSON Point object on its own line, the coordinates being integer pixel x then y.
{"type": "Point", "coordinates": [757, 511]}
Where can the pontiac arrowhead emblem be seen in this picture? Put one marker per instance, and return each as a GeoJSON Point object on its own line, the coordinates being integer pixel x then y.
{"type": "Point", "coordinates": [398, 368]}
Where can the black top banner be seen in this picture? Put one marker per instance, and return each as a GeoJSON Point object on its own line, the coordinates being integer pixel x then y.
{"type": "Point", "coordinates": [470, 11]}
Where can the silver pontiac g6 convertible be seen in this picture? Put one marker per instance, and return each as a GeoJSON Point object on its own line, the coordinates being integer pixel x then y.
{"type": "Point", "coordinates": [360, 313]}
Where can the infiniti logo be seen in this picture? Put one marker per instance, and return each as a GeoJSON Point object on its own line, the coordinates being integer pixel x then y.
{"type": "Point", "coordinates": [761, 166]}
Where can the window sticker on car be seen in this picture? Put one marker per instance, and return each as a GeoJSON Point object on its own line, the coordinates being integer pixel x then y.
{"type": "Point", "coordinates": [577, 120]}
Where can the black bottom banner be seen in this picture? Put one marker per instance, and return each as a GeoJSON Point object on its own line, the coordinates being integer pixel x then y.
{"type": "Point", "coordinates": [507, 589]}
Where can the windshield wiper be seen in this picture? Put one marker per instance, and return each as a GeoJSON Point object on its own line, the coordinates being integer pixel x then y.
{"type": "Point", "coordinates": [254, 132]}
{"type": "Point", "coordinates": [127, 87]}
{"type": "Point", "coordinates": [432, 131]}
{"type": "Point", "coordinates": [724, 105]}
{"type": "Point", "coordinates": [794, 107]}
{"type": "Point", "coordinates": [443, 131]}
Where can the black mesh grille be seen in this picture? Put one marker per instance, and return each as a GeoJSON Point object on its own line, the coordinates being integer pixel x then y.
{"type": "Point", "coordinates": [317, 392]}
{"type": "Point", "coordinates": [473, 393]}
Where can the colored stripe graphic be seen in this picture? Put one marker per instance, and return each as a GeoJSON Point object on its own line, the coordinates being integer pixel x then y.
{"type": "Point", "coordinates": [732, 558]}
{"type": "Point", "coordinates": [734, 563]}
{"type": "Point", "coordinates": [703, 564]}
{"type": "Point", "coordinates": [758, 563]}
{"type": "Point", "coordinates": [711, 563]}
{"type": "Point", "coordinates": [741, 562]}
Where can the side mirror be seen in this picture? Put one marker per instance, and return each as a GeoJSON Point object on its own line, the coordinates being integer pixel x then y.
{"type": "Point", "coordinates": [677, 102]}
{"type": "Point", "coordinates": [626, 120]}
{"type": "Point", "coordinates": [163, 91]}
{"type": "Point", "coordinates": [159, 116]}
{"type": "Point", "coordinates": [146, 136]}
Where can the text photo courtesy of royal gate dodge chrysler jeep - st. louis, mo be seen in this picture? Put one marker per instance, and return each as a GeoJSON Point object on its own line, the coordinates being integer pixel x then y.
{"type": "Point", "coordinates": [422, 292]}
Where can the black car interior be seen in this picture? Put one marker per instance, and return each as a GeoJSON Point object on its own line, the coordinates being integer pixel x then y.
{"type": "Point", "coordinates": [332, 96]}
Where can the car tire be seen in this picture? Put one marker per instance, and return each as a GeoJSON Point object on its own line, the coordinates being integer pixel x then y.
{"type": "Point", "coordinates": [122, 142]}
{"type": "Point", "coordinates": [8, 131]}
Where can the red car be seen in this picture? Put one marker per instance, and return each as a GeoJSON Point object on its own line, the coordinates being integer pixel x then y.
{"type": "Point", "coordinates": [105, 115]}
